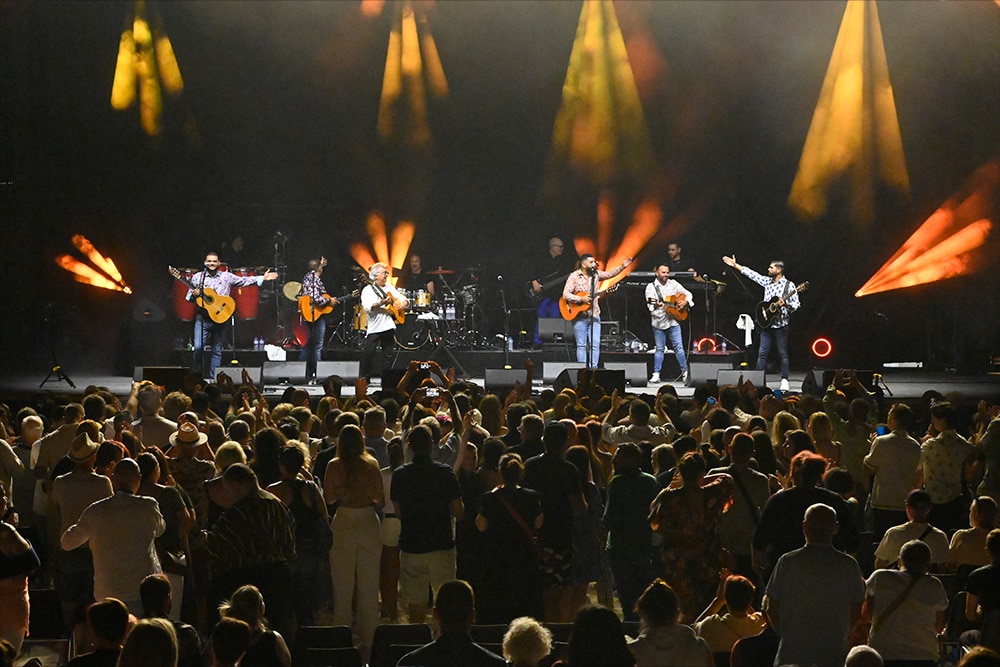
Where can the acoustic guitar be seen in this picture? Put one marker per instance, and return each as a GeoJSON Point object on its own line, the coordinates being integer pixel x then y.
{"type": "Point", "coordinates": [569, 311]}
{"type": "Point", "coordinates": [311, 312]}
{"type": "Point", "coordinates": [672, 307]}
{"type": "Point", "coordinates": [218, 307]}
{"type": "Point", "coordinates": [396, 309]}
{"type": "Point", "coordinates": [766, 311]}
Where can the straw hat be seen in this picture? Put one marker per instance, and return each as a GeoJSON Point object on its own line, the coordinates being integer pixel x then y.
{"type": "Point", "coordinates": [188, 434]}
{"type": "Point", "coordinates": [82, 448]}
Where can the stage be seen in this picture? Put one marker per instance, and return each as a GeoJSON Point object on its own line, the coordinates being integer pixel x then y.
{"type": "Point", "coordinates": [497, 369]}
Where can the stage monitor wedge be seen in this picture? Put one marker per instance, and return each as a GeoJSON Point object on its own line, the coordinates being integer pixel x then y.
{"type": "Point", "coordinates": [500, 381]}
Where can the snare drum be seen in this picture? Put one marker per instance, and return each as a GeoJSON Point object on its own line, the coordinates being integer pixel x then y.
{"type": "Point", "coordinates": [420, 300]}
{"type": "Point", "coordinates": [248, 296]}
{"type": "Point", "coordinates": [360, 318]}
{"type": "Point", "coordinates": [413, 334]}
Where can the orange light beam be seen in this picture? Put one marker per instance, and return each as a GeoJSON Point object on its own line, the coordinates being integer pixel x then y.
{"type": "Point", "coordinates": [376, 232]}
{"type": "Point", "coordinates": [87, 275]}
{"type": "Point", "coordinates": [97, 259]}
{"type": "Point", "coordinates": [362, 255]}
{"type": "Point", "coordinates": [402, 237]}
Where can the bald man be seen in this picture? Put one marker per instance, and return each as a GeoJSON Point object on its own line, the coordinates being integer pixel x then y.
{"type": "Point", "coordinates": [120, 530]}
{"type": "Point", "coordinates": [813, 599]}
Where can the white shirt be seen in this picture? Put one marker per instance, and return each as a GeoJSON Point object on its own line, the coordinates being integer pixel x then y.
{"type": "Point", "coordinates": [908, 633]}
{"type": "Point", "coordinates": [894, 457]}
{"type": "Point", "coordinates": [897, 536]}
{"type": "Point", "coordinates": [379, 319]}
{"type": "Point", "coordinates": [121, 530]}
{"type": "Point", "coordinates": [658, 316]}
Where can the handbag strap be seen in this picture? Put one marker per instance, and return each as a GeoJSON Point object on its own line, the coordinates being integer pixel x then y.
{"type": "Point", "coordinates": [516, 516]}
{"type": "Point", "coordinates": [900, 599]}
{"type": "Point", "coordinates": [746, 496]}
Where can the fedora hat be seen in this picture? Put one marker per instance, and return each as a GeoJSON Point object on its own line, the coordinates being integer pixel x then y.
{"type": "Point", "coordinates": [188, 434]}
{"type": "Point", "coordinates": [82, 448]}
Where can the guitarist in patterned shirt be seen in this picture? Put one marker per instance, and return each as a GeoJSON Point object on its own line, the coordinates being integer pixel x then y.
{"type": "Point", "coordinates": [668, 302]}
{"type": "Point", "coordinates": [781, 293]}
{"type": "Point", "coordinates": [385, 306]}
{"type": "Point", "coordinates": [319, 300]}
{"type": "Point", "coordinates": [207, 286]}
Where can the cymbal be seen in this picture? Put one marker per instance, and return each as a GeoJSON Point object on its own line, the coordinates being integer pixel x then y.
{"type": "Point", "coordinates": [440, 272]}
{"type": "Point", "coordinates": [472, 269]}
{"type": "Point", "coordinates": [291, 290]}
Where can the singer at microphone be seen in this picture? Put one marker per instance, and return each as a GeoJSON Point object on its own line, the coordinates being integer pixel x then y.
{"type": "Point", "coordinates": [584, 310]}
{"type": "Point", "coordinates": [210, 289]}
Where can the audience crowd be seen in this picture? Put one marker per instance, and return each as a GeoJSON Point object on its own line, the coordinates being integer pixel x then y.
{"type": "Point", "coordinates": [740, 526]}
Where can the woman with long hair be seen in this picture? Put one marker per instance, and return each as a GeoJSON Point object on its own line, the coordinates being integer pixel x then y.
{"type": "Point", "coordinates": [353, 481]}
{"type": "Point", "coordinates": [151, 643]}
{"type": "Point", "coordinates": [686, 517]}
{"type": "Point", "coordinates": [267, 647]}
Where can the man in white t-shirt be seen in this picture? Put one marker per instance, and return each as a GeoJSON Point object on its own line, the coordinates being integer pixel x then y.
{"type": "Point", "coordinates": [891, 468]}
{"type": "Point", "coordinates": [382, 302]}
{"type": "Point", "coordinates": [918, 508]}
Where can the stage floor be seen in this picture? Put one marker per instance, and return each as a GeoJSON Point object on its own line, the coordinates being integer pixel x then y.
{"type": "Point", "coordinates": [899, 384]}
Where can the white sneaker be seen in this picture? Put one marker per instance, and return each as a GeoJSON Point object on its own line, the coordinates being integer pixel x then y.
{"type": "Point", "coordinates": [654, 378]}
{"type": "Point", "coordinates": [784, 384]}
{"type": "Point", "coordinates": [684, 377]}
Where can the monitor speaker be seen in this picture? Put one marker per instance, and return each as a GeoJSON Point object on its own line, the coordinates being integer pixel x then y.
{"type": "Point", "coordinates": [608, 379]}
{"type": "Point", "coordinates": [555, 329]}
{"type": "Point", "coordinates": [706, 369]}
{"type": "Point", "coordinates": [552, 369]}
{"type": "Point", "coordinates": [170, 378]}
{"type": "Point", "coordinates": [724, 377]}
{"type": "Point", "coordinates": [500, 381]}
{"type": "Point", "coordinates": [284, 372]}
{"type": "Point", "coordinates": [636, 372]}
{"type": "Point", "coordinates": [347, 370]}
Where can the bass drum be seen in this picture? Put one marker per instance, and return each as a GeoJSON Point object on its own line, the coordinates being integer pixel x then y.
{"type": "Point", "coordinates": [412, 334]}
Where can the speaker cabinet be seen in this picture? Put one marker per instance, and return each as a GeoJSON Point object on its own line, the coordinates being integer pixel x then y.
{"type": "Point", "coordinates": [702, 369]}
{"type": "Point", "coordinates": [724, 377]}
{"type": "Point", "coordinates": [636, 372]}
{"type": "Point", "coordinates": [170, 378]}
{"type": "Point", "coordinates": [555, 329]}
{"type": "Point", "coordinates": [500, 381]}
{"type": "Point", "coordinates": [552, 369]}
{"type": "Point", "coordinates": [608, 379]}
{"type": "Point", "coordinates": [347, 370]}
{"type": "Point", "coordinates": [284, 372]}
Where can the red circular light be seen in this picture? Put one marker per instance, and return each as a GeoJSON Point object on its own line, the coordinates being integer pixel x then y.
{"type": "Point", "coordinates": [822, 347]}
{"type": "Point", "coordinates": [702, 342]}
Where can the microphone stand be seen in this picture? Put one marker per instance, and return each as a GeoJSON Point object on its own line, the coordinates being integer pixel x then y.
{"type": "Point", "coordinates": [590, 320]}
{"type": "Point", "coordinates": [506, 325]}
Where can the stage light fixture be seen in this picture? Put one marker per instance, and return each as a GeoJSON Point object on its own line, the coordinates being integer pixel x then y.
{"type": "Point", "coordinates": [822, 347]}
{"type": "Point", "coordinates": [145, 60]}
{"type": "Point", "coordinates": [854, 133]}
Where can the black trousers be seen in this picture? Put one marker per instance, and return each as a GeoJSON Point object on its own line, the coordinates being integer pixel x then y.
{"type": "Point", "coordinates": [384, 339]}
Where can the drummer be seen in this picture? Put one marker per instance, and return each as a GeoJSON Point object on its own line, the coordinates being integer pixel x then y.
{"type": "Point", "coordinates": [414, 279]}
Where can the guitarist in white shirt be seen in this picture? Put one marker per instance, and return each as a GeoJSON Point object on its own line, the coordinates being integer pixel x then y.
{"type": "Point", "coordinates": [668, 302]}
{"type": "Point", "coordinates": [383, 303]}
{"type": "Point", "coordinates": [213, 283]}
{"type": "Point", "coordinates": [577, 292]}
{"type": "Point", "coordinates": [781, 292]}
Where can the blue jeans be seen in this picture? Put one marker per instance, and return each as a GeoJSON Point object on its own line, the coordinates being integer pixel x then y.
{"type": "Point", "coordinates": [676, 344]}
{"type": "Point", "coordinates": [312, 353]}
{"type": "Point", "coordinates": [580, 332]}
{"type": "Point", "coordinates": [768, 337]}
{"type": "Point", "coordinates": [207, 332]}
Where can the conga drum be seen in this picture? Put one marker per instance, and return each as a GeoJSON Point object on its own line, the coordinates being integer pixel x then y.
{"type": "Point", "coordinates": [360, 318]}
{"type": "Point", "coordinates": [247, 298]}
{"type": "Point", "coordinates": [184, 309]}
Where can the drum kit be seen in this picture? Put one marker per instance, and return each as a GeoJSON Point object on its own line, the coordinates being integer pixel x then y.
{"type": "Point", "coordinates": [452, 319]}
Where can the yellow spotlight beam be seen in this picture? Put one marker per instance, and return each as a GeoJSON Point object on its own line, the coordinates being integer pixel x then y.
{"type": "Point", "coordinates": [83, 273]}
{"type": "Point", "coordinates": [854, 133]}
{"type": "Point", "coordinates": [145, 59]}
